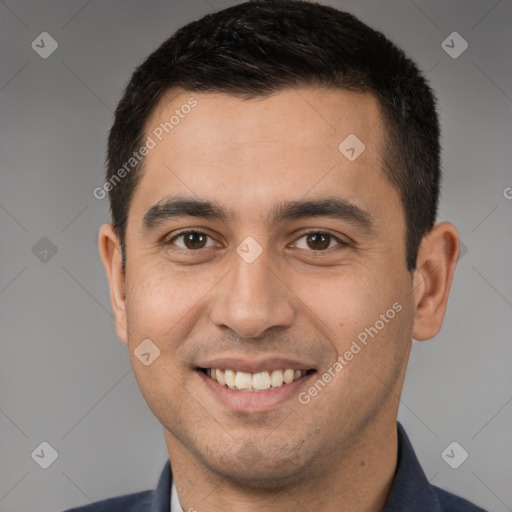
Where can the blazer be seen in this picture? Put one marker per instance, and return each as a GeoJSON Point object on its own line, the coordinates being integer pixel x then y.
{"type": "Point", "coordinates": [410, 491]}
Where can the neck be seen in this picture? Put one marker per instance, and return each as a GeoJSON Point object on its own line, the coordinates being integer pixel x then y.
{"type": "Point", "coordinates": [357, 481]}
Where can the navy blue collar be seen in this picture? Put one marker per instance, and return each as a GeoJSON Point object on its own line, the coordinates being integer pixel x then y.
{"type": "Point", "coordinates": [410, 489]}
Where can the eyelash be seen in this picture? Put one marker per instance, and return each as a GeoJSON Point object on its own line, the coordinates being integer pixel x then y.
{"type": "Point", "coordinates": [182, 233]}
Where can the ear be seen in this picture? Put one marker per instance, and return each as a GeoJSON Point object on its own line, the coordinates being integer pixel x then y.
{"type": "Point", "coordinates": [110, 252]}
{"type": "Point", "coordinates": [437, 258]}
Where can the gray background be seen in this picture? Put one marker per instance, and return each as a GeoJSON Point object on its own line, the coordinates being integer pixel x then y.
{"type": "Point", "coordinates": [65, 378]}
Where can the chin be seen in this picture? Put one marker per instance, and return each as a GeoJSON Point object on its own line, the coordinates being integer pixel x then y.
{"type": "Point", "coordinates": [270, 468]}
{"type": "Point", "coordinates": [266, 477]}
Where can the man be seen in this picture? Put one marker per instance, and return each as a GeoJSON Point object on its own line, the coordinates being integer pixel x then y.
{"type": "Point", "coordinates": [273, 172]}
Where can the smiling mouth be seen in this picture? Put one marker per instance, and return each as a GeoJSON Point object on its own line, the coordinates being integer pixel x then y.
{"type": "Point", "coordinates": [254, 382]}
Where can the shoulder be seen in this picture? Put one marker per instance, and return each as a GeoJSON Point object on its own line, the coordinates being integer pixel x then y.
{"type": "Point", "coordinates": [452, 503]}
{"type": "Point", "coordinates": [136, 502]}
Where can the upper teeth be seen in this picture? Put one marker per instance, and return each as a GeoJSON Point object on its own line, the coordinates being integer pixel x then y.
{"type": "Point", "coordinates": [254, 381]}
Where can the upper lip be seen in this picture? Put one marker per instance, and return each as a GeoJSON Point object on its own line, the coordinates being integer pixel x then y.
{"type": "Point", "coordinates": [254, 365]}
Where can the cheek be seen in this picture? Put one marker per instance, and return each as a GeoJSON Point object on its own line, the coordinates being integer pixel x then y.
{"type": "Point", "coordinates": [344, 302]}
{"type": "Point", "coordinates": [162, 302]}
{"type": "Point", "coordinates": [366, 318]}
{"type": "Point", "coordinates": [377, 348]}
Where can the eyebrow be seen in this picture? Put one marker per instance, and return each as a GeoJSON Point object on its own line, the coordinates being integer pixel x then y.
{"type": "Point", "coordinates": [170, 208]}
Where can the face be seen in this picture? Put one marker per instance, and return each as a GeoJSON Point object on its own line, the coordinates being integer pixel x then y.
{"type": "Point", "coordinates": [298, 264]}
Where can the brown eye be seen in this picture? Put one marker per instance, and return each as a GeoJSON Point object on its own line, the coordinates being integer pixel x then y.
{"type": "Point", "coordinates": [318, 240]}
{"type": "Point", "coordinates": [192, 240]}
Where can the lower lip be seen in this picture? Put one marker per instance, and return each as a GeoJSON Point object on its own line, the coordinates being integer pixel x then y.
{"type": "Point", "coordinates": [255, 401]}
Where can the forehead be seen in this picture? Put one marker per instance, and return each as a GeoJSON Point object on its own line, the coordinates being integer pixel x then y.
{"type": "Point", "coordinates": [307, 118]}
{"type": "Point", "coordinates": [257, 152]}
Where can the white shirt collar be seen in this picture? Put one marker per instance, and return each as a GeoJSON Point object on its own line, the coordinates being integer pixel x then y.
{"type": "Point", "coordinates": [175, 502]}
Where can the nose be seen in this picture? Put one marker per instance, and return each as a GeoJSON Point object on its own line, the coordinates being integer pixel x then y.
{"type": "Point", "coordinates": [253, 298]}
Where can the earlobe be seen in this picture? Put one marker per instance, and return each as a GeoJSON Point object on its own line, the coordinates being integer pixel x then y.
{"type": "Point", "coordinates": [110, 252]}
{"type": "Point", "coordinates": [437, 259]}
